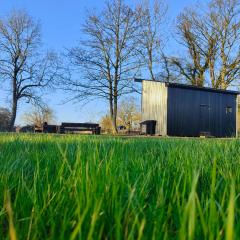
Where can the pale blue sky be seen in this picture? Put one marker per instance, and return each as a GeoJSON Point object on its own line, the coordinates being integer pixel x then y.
{"type": "Point", "coordinates": [61, 23]}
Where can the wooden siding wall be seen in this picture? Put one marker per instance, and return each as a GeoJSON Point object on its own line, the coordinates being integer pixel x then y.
{"type": "Point", "coordinates": [154, 105]}
{"type": "Point", "coordinates": [192, 111]}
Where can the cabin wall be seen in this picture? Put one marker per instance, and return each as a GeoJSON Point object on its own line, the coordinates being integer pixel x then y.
{"type": "Point", "coordinates": [238, 116]}
{"type": "Point", "coordinates": [192, 111]}
{"type": "Point", "coordinates": [154, 104]}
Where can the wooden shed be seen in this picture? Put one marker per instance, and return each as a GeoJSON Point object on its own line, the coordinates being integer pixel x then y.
{"type": "Point", "coordinates": [185, 110]}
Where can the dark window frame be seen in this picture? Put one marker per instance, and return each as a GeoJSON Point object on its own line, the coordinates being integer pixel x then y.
{"type": "Point", "coordinates": [229, 110]}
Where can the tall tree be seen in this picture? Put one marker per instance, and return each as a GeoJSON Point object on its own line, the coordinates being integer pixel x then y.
{"type": "Point", "coordinates": [199, 40]}
{"type": "Point", "coordinates": [22, 65]}
{"type": "Point", "coordinates": [151, 34]}
{"type": "Point", "coordinates": [107, 58]}
{"type": "Point", "coordinates": [211, 36]}
{"type": "Point", "coordinates": [224, 65]}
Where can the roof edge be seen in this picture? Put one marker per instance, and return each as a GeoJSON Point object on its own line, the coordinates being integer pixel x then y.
{"type": "Point", "coordinates": [188, 86]}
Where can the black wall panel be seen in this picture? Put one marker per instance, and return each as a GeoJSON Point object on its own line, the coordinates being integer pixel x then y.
{"type": "Point", "coordinates": [192, 111]}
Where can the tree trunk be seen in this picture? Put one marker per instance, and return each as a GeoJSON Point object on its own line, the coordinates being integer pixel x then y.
{"type": "Point", "coordinates": [113, 116]}
{"type": "Point", "coordinates": [113, 113]}
{"type": "Point", "coordinates": [14, 102]}
{"type": "Point", "coordinates": [111, 110]}
{"type": "Point", "coordinates": [114, 123]}
{"type": "Point", "coordinates": [13, 114]}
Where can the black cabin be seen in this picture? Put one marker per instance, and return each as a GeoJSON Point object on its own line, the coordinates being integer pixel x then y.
{"type": "Point", "coordinates": [183, 110]}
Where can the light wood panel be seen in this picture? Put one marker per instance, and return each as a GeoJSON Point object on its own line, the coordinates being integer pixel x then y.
{"type": "Point", "coordinates": [154, 105]}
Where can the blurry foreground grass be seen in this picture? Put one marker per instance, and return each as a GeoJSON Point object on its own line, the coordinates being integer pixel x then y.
{"type": "Point", "coordinates": [93, 187]}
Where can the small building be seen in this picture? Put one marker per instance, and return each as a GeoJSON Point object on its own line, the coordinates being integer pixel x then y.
{"type": "Point", "coordinates": [184, 110]}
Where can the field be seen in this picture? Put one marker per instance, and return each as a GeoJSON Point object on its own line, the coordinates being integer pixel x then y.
{"type": "Point", "coordinates": [96, 187]}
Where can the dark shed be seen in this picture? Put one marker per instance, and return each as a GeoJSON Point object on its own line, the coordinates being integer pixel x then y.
{"type": "Point", "coordinates": [183, 110]}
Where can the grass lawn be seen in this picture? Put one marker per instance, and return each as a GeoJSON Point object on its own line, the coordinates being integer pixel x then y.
{"type": "Point", "coordinates": [96, 187]}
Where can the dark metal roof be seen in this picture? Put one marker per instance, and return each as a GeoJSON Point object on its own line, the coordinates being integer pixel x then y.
{"type": "Point", "coordinates": [186, 86]}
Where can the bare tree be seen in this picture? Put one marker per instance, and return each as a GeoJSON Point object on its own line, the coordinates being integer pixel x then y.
{"type": "Point", "coordinates": [199, 40]}
{"type": "Point", "coordinates": [224, 64]}
{"type": "Point", "coordinates": [168, 70]}
{"type": "Point", "coordinates": [106, 123]}
{"type": "Point", "coordinates": [22, 65]}
{"type": "Point", "coordinates": [151, 31]}
{"type": "Point", "coordinates": [5, 117]}
{"type": "Point", "coordinates": [129, 113]}
{"type": "Point", "coordinates": [107, 58]}
{"type": "Point", "coordinates": [39, 115]}
{"type": "Point", "coordinates": [211, 36]}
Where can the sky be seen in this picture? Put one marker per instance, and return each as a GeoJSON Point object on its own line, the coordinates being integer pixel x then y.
{"type": "Point", "coordinates": [61, 22]}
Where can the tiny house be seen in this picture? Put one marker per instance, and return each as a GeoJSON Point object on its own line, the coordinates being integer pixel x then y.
{"type": "Point", "coordinates": [184, 110]}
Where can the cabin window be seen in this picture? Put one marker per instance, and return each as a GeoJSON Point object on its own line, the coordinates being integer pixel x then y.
{"type": "Point", "coordinates": [228, 110]}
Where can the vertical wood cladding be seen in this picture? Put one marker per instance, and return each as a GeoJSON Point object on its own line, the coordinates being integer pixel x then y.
{"type": "Point", "coordinates": [192, 111]}
{"type": "Point", "coordinates": [154, 105]}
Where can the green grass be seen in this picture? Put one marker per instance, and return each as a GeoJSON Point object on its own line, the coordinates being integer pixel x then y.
{"type": "Point", "coordinates": [94, 187]}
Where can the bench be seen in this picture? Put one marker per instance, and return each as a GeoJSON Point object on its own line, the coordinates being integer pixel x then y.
{"type": "Point", "coordinates": [46, 128]}
{"type": "Point", "coordinates": [80, 127]}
